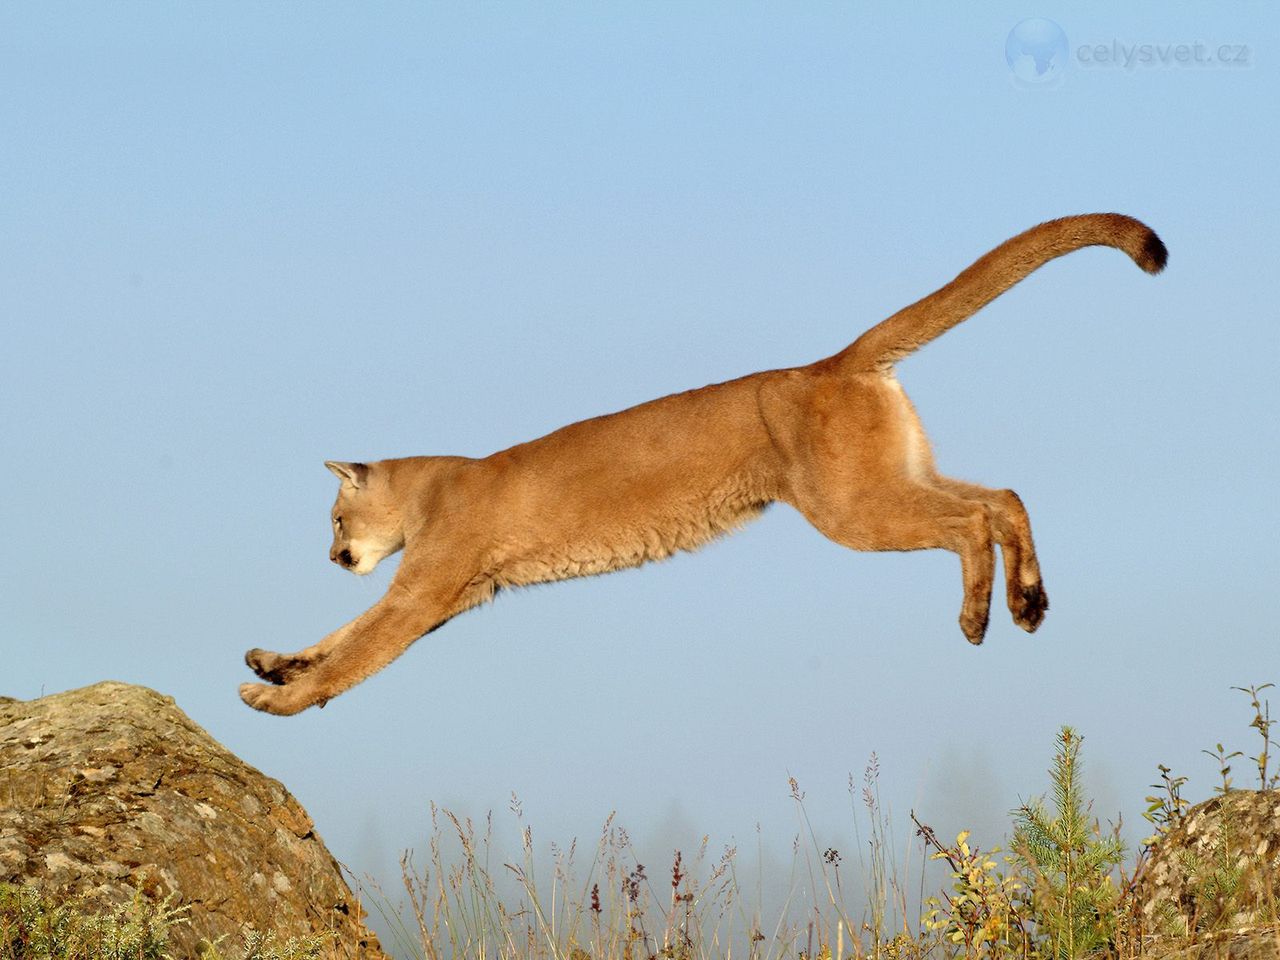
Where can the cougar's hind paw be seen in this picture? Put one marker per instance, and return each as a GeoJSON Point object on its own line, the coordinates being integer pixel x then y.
{"type": "Point", "coordinates": [1032, 604]}
{"type": "Point", "coordinates": [974, 626]}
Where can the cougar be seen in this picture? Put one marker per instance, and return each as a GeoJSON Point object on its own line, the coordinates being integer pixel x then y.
{"type": "Point", "coordinates": [837, 439]}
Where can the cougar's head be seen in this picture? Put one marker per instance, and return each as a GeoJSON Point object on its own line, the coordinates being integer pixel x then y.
{"type": "Point", "coordinates": [367, 523]}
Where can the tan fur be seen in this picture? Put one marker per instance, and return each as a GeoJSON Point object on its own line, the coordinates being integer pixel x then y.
{"type": "Point", "coordinates": [837, 439]}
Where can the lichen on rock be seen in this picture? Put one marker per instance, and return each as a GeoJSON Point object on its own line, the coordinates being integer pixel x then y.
{"type": "Point", "coordinates": [112, 789]}
{"type": "Point", "coordinates": [1215, 876]}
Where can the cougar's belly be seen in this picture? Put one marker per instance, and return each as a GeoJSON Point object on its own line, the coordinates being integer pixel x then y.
{"type": "Point", "coordinates": [629, 536]}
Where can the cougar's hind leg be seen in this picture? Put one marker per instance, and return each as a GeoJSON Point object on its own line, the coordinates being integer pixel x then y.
{"type": "Point", "coordinates": [860, 470]}
{"type": "Point", "coordinates": [911, 516]}
{"type": "Point", "coordinates": [1024, 587]}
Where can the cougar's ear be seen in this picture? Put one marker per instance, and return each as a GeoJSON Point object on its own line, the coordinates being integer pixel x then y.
{"type": "Point", "coordinates": [352, 473]}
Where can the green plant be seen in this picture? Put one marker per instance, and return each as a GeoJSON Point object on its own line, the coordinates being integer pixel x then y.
{"type": "Point", "coordinates": [1219, 753]}
{"type": "Point", "coordinates": [255, 945]}
{"type": "Point", "coordinates": [1073, 896]}
{"type": "Point", "coordinates": [986, 912]}
{"type": "Point", "coordinates": [1165, 809]}
{"type": "Point", "coordinates": [38, 926]}
{"type": "Point", "coordinates": [34, 926]}
{"type": "Point", "coordinates": [1262, 722]}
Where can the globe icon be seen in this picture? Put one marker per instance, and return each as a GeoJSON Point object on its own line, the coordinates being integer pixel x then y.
{"type": "Point", "coordinates": [1036, 50]}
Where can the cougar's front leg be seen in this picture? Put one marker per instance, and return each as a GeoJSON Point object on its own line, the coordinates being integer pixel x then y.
{"type": "Point", "coordinates": [280, 668]}
{"type": "Point", "coordinates": [413, 606]}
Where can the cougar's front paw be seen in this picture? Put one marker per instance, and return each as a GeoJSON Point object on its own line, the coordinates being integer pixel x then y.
{"type": "Point", "coordinates": [281, 701]}
{"type": "Point", "coordinates": [1029, 606]}
{"type": "Point", "coordinates": [274, 667]}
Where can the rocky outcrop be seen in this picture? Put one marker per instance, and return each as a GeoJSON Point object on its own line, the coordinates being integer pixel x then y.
{"type": "Point", "coordinates": [1260, 944]}
{"type": "Point", "coordinates": [1215, 877]}
{"type": "Point", "coordinates": [112, 789]}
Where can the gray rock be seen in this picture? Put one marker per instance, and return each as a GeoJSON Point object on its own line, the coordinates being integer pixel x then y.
{"type": "Point", "coordinates": [112, 789]}
{"type": "Point", "coordinates": [1261, 944]}
{"type": "Point", "coordinates": [1216, 876]}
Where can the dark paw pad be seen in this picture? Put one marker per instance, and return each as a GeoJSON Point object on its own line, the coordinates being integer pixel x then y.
{"type": "Point", "coordinates": [271, 666]}
{"type": "Point", "coordinates": [1032, 603]}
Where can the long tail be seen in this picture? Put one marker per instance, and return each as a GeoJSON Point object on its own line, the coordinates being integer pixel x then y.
{"type": "Point", "coordinates": [991, 275]}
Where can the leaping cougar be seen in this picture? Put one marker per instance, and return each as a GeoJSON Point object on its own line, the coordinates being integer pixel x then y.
{"type": "Point", "coordinates": [837, 439]}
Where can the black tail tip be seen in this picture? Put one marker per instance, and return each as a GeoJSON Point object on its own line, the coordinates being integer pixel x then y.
{"type": "Point", "coordinates": [1154, 253]}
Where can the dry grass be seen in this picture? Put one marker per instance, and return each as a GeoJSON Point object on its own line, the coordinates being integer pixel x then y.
{"type": "Point", "coordinates": [1060, 893]}
{"type": "Point", "coordinates": [1069, 897]}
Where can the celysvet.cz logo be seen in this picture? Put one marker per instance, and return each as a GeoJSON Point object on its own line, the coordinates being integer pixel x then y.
{"type": "Point", "coordinates": [1039, 54]}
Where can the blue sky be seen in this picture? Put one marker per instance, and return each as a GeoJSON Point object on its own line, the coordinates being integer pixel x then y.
{"type": "Point", "coordinates": [241, 239]}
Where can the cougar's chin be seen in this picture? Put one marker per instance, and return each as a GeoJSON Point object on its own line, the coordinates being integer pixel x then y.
{"type": "Point", "coordinates": [365, 564]}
